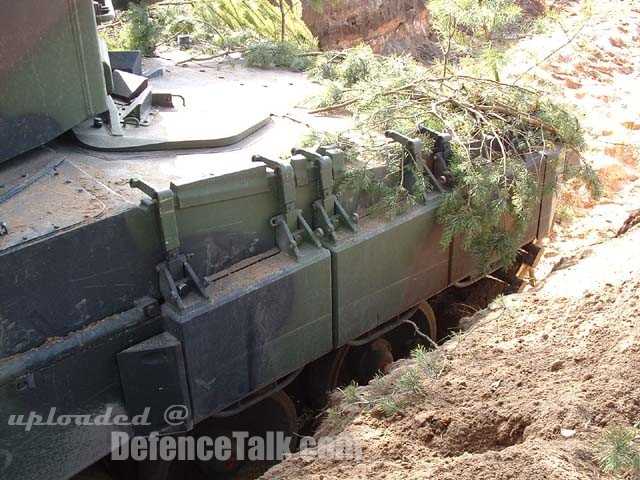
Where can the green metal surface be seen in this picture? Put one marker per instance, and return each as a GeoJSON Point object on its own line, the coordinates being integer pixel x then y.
{"type": "Point", "coordinates": [386, 268]}
{"type": "Point", "coordinates": [174, 130]}
{"type": "Point", "coordinates": [51, 76]}
{"type": "Point", "coordinates": [261, 323]}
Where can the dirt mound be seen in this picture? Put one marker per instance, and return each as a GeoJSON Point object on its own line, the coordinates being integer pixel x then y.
{"type": "Point", "coordinates": [387, 26]}
{"type": "Point", "coordinates": [526, 392]}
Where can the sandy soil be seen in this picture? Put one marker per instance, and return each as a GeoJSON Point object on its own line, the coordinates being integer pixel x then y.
{"type": "Point", "coordinates": [530, 387]}
{"type": "Point", "coordinates": [528, 367]}
{"type": "Point", "coordinates": [597, 76]}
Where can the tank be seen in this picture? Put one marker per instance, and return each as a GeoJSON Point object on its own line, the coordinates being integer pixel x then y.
{"type": "Point", "coordinates": [157, 254]}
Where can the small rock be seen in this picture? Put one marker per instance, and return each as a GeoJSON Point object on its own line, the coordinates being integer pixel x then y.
{"type": "Point", "coordinates": [567, 433]}
{"type": "Point", "coordinates": [557, 365]}
{"type": "Point", "coordinates": [586, 377]}
{"type": "Point", "coordinates": [422, 418]}
{"type": "Point", "coordinates": [570, 83]}
{"type": "Point", "coordinates": [425, 434]}
{"type": "Point", "coordinates": [631, 125]}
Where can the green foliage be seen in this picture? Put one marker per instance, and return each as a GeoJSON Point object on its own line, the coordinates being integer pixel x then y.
{"type": "Point", "coordinates": [268, 54]}
{"type": "Point", "coordinates": [389, 406]}
{"type": "Point", "coordinates": [394, 201]}
{"type": "Point", "coordinates": [333, 95]}
{"type": "Point", "coordinates": [351, 393]}
{"type": "Point", "coordinates": [475, 30]}
{"type": "Point", "coordinates": [384, 395]}
{"type": "Point", "coordinates": [217, 18]}
{"type": "Point", "coordinates": [476, 18]}
{"type": "Point", "coordinates": [358, 65]}
{"type": "Point", "coordinates": [139, 32]}
{"type": "Point", "coordinates": [315, 138]}
{"type": "Point", "coordinates": [142, 32]}
{"type": "Point", "coordinates": [430, 362]}
{"type": "Point", "coordinates": [335, 417]}
{"type": "Point", "coordinates": [218, 25]}
{"type": "Point", "coordinates": [359, 179]}
{"type": "Point", "coordinates": [494, 127]}
{"type": "Point", "coordinates": [392, 194]}
{"type": "Point", "coordinates": [498, 302]}
{"type": "Point", "coordinates": [229, 41]}
{"type": "Point", "coordinates": [146, 28]}
{"type": "Point", "coordinates": [620, 451]}
{"type": "Point", "coordinates": [458, 336]}
{"type": "Point", "coordinates": [490, 209]}
{"type": "Point", "coordinates": [409, 382]}
{"type": "Point", "coordinates": [380, 386]}
{"type": "Point", "coordinates": [381, 395]}
{"type": "Point", "coordinates": [587, 175]}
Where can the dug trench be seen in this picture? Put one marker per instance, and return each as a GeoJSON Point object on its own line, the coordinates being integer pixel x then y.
{"type": "Point", "coordinates": [300, 409]}
{"type": "Point", "coordinates": [450, 306]}
{"type": "Point", "coordinates": [528, 388]}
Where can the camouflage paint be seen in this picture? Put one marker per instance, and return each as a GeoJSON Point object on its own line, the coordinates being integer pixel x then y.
{"type": "Point", "coordinates": [51, 76]}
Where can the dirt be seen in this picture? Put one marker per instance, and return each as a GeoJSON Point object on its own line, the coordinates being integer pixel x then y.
{"type": "Point", "coordinates": [387, 26]}
{"type": "Point", "coordinates": [528, 367]}
{"type": "Point", "coordinates": [604, 40]}
{"type": "Point", "coordinates": [530, 386]}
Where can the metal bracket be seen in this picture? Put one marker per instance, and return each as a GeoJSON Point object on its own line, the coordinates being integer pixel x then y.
{"type": "Point", "coordinates": [441, 153]}
{"type": "Point", "coordinates": [176, 276]}
{"type": "Point", "coordinates": [325, 183]}
{"type": "Point", "coordinates": [104, 11]}
{"type": "Point", "coordinates": [114, 118]}
{"type": "Point", "coordinates": [166, 213]}
{"type": "Point", "coordinates": [328, 212]}
{"type": "Point", "coordinates": [414, 146]}
{"type": "Point", "coordinates": [291, 227]}
{"type": "Point", "coordinates": [337, 156]}
{"type": "Point", "coordinates": [286, 185]}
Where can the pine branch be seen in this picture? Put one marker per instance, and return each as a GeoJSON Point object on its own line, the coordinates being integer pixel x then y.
{"type": "Point", "coordinates": [211, 57]}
